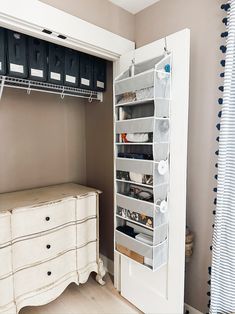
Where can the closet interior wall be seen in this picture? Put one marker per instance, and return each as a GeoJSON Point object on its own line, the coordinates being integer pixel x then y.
{"type": "Point", "coordinates": [42, 140]}
{"type": "Point", "coordinates": [99, 159]}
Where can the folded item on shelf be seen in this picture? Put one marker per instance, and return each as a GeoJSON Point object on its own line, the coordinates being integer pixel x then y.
{"type": "Point", "coordinates": [127, 97]}
{"type": "Point", "coordinates": [137, 217]}
{"type": "Point", "coordinates": [141, 178]}
{"type": "Point", "coordinates": [124, 113]}
{"type": "Point", "coordinates": [136, 177]}
{"type": "Point", "coordinates": [141, 193]}
{"type": "Point", "coordinates": [136, 156]}
{"type": "Point", "coordinates": [145, 93]}
{"type": "Point", "coordinates": [137, 137]}
{"type": "Point", "coordinates": [123, 175]}
{"type": "Point", "coordinates": [133, 255]}
{"type": "Point", "coordinates": [145, 238]}
{"type": "Point", "coordinates": [127, 230]}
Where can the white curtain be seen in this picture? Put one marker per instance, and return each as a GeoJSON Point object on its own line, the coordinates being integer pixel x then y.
{"type": "Point", "coordinates": [223, 254]}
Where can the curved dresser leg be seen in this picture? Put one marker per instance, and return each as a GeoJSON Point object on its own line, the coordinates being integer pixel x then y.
{"type": "Point", "coordinates": [101, 273]}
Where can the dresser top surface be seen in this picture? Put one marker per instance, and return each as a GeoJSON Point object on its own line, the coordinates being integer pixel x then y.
{"type": "Point", "coordinates": [32, 197]}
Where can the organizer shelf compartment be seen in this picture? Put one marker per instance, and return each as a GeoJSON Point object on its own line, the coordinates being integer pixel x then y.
{"type": "Point", "coordinates": [157, 254]}
{"type": "Point", "coordinates": [141, 125]}
{"type": "Point", "coordinates": [143, 208]}
{"type": "Point", "coordinates": [138, 82]}
{"type": "Point", "coordinates": [147, 167]}
{"type": "Point", "coordinates": [142, 150]}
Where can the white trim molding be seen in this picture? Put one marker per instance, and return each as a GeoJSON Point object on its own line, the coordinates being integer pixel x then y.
{"type": "Point", "coordinates": [191, 309]}
{"type": "Point", "coordinates": [32, 17]}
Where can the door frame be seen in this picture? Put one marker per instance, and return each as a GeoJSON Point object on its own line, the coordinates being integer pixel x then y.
{"type": "Point", "coordinates": [33, 16]}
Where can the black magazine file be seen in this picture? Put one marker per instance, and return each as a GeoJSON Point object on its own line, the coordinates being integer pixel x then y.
{"type": "Point", "coordinates": [56, 64]}
{"type": "Point", "coordinates": [37, 56]}
{"type": "Point", "coordinates": [71, 68]}
{"type": "Point", "coordinates": [86, 71]}
{"type": "Point", "coordinates": [17, 54]}
{"type": "Point", "coordinates": [2, 51]}
{"type": "Point", "coordinates": [99, 70]}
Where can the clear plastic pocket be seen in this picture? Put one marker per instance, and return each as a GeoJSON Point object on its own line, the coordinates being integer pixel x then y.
{"type": "Point", "coordinates": [162, 85]}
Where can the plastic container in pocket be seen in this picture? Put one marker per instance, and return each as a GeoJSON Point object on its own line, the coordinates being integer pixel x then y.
{"type": "Point", "coordinates": [56, 64]}
{"type": "Point", "coordinates": [17, 54]}
{"type": "Point", "coordinates": [37, 53]}
{"type": "Point", "coordinates": [86, 71]}
{"type": "Point", "coordinates": [71, 68]}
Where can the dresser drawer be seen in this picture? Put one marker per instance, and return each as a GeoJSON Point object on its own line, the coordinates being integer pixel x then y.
{"type": "Point", "coordinates": [87, 206]}
{"type": "Point", "coordinates": [46, 274]}
{"type": "Point", "coordinates": [5, 261]}
{"type": "Point", "coordinates": [33, 220]}
{"type": "Point", "coordinates": [5, 228]}
{"type": "Point", "coordinates": [6, 292]}
{"type": "Point", "coordinates": [43, 247]}
{"type": "Point", "coordinates": [86, 255]}
{"type": "Point", "coordinates": [86, 232]}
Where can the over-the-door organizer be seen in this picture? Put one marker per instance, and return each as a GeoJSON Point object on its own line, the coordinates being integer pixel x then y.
{"type": "Point", "coordinates": [142, 126]}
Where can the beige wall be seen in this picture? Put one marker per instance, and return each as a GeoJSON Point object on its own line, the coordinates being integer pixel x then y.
{"type": "Point", "coordinates": [101, 13]}
{"type": "Point", "coordinates": [42, 140]}
{"type": "Point", "coordinates": [203, 17]}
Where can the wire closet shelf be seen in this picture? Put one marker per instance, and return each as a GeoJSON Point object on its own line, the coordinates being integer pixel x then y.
{"type": "Point", "coordinates": [36, 86]}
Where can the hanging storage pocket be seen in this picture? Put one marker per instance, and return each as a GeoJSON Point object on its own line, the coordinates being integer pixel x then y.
{"type": "Point", "coordinates": [2, 52]}
{"type": "Point", "coordinates": [37, 52]}
{"type": "Point", "coordinates": [154, 256]}
{"type": "Point", "coordinates": [86, 71]}
{"type": "Point", "coordinates": [56, 64]}
{"type": "Point", "coordinates": [99, 68]}
{"type": "Point", "coordinates": [71, 72]}
{"type": "Point", "coordinates": [17, 58]}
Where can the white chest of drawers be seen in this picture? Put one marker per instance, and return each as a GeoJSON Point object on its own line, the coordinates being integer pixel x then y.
{"type": "Point", "coordinates": [48, 239]}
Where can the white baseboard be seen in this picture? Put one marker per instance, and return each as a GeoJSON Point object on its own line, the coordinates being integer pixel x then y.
{"type": "Point", "coordinates": [191, 309]}
{"type": "Point", "coordinates": [108, 264]}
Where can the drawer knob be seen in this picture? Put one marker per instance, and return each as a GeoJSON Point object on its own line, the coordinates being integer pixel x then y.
{"type": "Point", "coordinates": [47, 218]}
{"type": "Point", "coordinates": [49, 273]}
{"type": "Point", "coordinates": [48, 246]}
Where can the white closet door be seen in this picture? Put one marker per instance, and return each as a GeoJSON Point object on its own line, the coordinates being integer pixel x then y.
{"type": "Point", "coordinates": [162, 291]}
